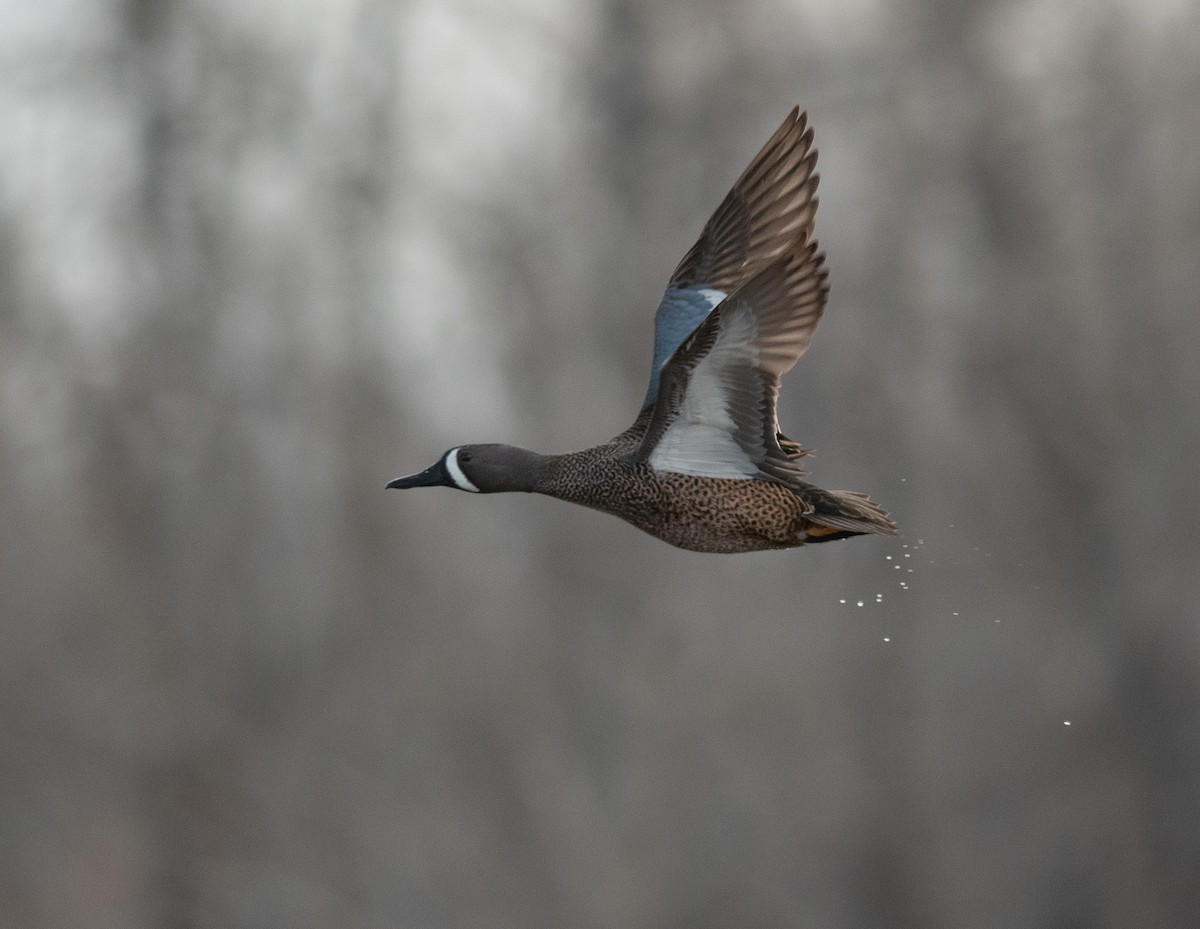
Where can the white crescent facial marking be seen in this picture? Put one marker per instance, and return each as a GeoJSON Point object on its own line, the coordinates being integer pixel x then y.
{"type": "Point", "coordinates": [461, 481]}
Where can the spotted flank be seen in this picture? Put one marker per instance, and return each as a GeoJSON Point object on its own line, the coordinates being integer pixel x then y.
{"type": "Point", "coordinates": [704, 465]}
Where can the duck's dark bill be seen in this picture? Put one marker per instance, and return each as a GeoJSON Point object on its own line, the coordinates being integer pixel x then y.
{"type": "Point", "coordinates": [433, 476]}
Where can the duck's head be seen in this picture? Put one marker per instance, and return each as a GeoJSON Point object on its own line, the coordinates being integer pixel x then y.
{"type": "Point", "coordinates": [479, 469]}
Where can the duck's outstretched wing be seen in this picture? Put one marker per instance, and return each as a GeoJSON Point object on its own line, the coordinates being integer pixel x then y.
{"type": "Point", "coordinates": [714, 413]}
{"type": "Point", "coordinates": [769, 209]}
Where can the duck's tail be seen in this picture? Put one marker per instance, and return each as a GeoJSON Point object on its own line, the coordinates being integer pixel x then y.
{"type": "Point", "coordinates": [839, 514]}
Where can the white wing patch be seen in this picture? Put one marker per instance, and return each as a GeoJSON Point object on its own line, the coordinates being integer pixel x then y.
{"type": "Point", "coordinates": [701, 438]}
{"type": "Point", "coordinates": [461, 481]}
{"type": "Point", "coordinates": [712, 295]}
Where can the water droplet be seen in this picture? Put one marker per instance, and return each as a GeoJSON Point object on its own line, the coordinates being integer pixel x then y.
{"type": "Point", "coordinates": [888, 638]}
{"type": "Point", "coordinates": [1066, 722]}
{"type": "Point", "coordinates": [860, 603]}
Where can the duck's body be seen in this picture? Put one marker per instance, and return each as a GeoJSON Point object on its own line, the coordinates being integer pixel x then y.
{"type": "Point", "coordinates": [704, 466]}
{"type": "Point", "coordinates": [702, 514]}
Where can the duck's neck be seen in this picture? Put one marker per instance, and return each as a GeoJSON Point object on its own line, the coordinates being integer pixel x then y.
{"type": "Point", "coordinates": [510, 468]}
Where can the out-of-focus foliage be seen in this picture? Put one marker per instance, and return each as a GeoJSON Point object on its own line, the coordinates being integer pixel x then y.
{"type": "Point", "coordinates": [258, 258]}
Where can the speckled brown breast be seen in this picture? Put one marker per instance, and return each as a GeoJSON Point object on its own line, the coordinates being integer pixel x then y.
{"type": "Point", "coordinates": [703, 514]}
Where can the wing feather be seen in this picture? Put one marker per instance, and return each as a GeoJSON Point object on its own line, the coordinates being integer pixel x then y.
{"type": "Point", "coordinates": [770, 207]}
{"type": "Point", "coordinates": [714, 413]}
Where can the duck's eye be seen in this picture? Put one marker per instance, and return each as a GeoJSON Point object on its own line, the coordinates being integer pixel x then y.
{"type": "Point", "coordinates": [464, 456]}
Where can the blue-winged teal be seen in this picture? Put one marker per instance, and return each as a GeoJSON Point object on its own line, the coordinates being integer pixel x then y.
{"type": "Point", "coordinates": [704, 465]}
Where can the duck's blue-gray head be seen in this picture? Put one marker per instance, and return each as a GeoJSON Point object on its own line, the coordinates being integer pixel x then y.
{"type": "Point", "coordinates": [480, 469]}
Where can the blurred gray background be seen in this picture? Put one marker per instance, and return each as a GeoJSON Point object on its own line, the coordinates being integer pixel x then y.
{"type": "Point", "coordinates": [258, 258]}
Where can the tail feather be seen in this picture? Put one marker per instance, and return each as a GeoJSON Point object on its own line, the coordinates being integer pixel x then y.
{"type": "Point", "coordinates": [845, 513]}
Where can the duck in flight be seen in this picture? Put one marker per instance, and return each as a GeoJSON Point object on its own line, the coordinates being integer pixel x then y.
{"type": "Point", "coordinates": [704, 466]}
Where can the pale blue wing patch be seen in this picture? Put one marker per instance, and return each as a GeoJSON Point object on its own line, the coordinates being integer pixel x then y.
{"type": "Point", "coordinates": [703, 435]}
{"type": "Point", "coordinates": [681, 310]}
